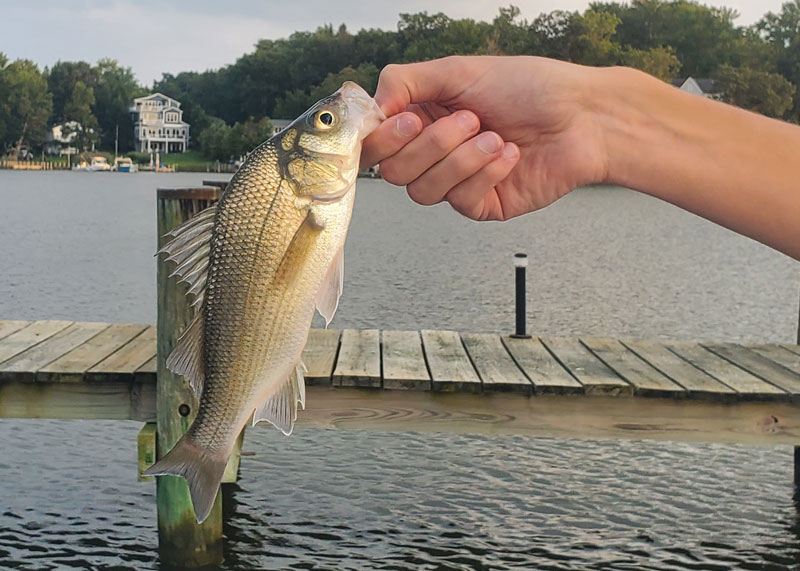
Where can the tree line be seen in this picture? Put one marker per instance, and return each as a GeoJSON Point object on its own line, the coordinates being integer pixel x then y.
{"type": "Point", "coordinates": [756, 67]}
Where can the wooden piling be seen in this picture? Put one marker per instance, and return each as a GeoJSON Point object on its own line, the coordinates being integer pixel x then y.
{"type": "Point", "coordinates": [182, 541]}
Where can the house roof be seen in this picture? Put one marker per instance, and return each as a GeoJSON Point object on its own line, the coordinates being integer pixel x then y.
{"type": "Point", "coordinates": [706, 84]}
{"type": "Point", "coordinates": [172, 102]}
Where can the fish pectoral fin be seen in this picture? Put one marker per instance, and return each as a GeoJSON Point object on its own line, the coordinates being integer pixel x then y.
{"type": "Point", "coordinates": [330, 291]}
{"type": "Point", "coordinates": [302, 242]}
{"type": "Point", "coordinates": [189, 248]}
{"type": "Point", "coordinates": [187, 357]}
{"type": "Point", "coordinates": [280, 409]}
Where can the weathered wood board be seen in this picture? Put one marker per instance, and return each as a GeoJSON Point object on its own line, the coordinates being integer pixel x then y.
{"type": "Point", "coordinates": [72, 366]}
{"type": "Point", "coordinates": [547, 374]}
{"type": "Point", "coordinates": [726, 372]}
{"type": "Point", "coordinates": [760, 366]}
{"type": "Point", "coordinates": [450, 367]}
{"type": "Point", "coordinates": [319, 355]}
{"type": "Point", "coordinates": [24, 365]}
{"type": "Point", "coordinates": [494, 364]}
{"type": "Point", "coordinates": [593, 374]}
{"type": "Point", "coordinates": [646, 380]}
{"type": "Point", "coordinates": [404, 364]}
{"type": "Point", "coordinates": [696, 382]}
{"type": "Point", "coordinates": [359, 363]}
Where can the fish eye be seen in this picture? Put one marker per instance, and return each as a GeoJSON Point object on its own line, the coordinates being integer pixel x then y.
{"type": "Point", "coordinates": [324, 120]}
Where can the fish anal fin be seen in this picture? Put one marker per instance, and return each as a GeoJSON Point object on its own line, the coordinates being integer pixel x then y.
{"type": "Point", "coordinates": [330, 291]}
{"type": "Point", "coordinates": [280, 409]}
{"type": "Point", "coordinates": [187, 357]}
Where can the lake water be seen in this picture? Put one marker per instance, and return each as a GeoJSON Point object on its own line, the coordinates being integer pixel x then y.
{"type": "Point", "coordinates": [603, 261]}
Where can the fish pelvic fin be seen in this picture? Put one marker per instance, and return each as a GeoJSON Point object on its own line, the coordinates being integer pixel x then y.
{"type": "Point", "coordinates": [202, 469]}
{"type": "Point", "coordinates": [280, 409]}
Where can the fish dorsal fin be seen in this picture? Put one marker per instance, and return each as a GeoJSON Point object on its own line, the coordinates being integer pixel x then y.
{"type": "Point", "coordinates": [187, 357]}
{"type": "Point", "coordinates": [280, 409]}
{"type": "Point", "coordinates": [189, 249]}
{"type": "Point", "coordinates": [331, 290]}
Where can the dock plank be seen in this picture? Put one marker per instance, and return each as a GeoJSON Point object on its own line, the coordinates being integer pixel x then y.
{"type": "Point", "coordinates": [23, 367]}
{"type": "Point", "coordinates": [698, 383]}
{"type": "Point", "coordinates": [319, 355]}
{"type": "Point", "coordinates": [71, 367]}
{"type": "Point", "coordinates": [780, 355]}
{"type": "Point", "coordinates": [646, 380]}
{"type": "Point", "coordinates": [735, 377]}
{"type": "Point", "coordinates": [8, 327]}
{"type": "Point", "coordinates": [147, 372]}
{"type": "Point", "coordinates": [759, 365]}
{"type": "Point", "coordinates": [450, 367]}
{"type": "Point", "coordinates": [404, 362]}
{"type": "Point", "coordinates": [25, 338]}
{"type": "Point", "coordinates": [793, 348]}
{"type": "Point", "coordinates": [126, 359]}
{"type": "Point", "coordinates": [359, 362]}
{"type": "Point", "coordinates": [595, 376]}
{"type": "Point", "coordinates": [494, 364]}
{"type": "Point", "coordinates": [546, 374]}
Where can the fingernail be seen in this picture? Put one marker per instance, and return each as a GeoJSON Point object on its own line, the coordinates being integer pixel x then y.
{"type": "Point", "coordinates": [466, 120]}
{"type": "Point", "coordinates": [407, 126]}
{"type": "Point", "coordinates": [510, 151]}
{"type": "Point", "coordinates": [489, 143]}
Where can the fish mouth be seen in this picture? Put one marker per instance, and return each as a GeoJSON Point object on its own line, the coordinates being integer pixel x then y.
{"type": "Point", "coordinates": [362, 106]}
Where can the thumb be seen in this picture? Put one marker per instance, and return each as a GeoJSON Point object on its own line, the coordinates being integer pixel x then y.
{"type": "Point", "coordinates": [440, 81]}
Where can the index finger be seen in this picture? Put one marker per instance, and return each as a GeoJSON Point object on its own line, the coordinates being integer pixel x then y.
{"type": "Point", "coordinates": [400, 85]}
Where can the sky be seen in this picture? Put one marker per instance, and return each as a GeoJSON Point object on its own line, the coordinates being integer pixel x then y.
{"type": "Point", "coordinates": [154, 37]}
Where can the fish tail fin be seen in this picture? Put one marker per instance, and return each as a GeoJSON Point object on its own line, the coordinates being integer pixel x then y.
{"type": "Point", "coordinates": [201, 468]}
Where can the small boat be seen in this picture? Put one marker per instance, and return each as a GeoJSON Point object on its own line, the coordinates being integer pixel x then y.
{"type": "Point", "coordinates": [98, 164]}
{"type": "Point", "coordinates": [124, 164]}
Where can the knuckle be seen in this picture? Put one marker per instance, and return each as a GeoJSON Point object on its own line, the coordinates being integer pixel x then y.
{"type": "Point", "coordinates": [438, 139]}
{"type": "Point", "coordinates": [421, 195]}
{"type": "Point", "coordinates": [390, 173]}
{"type": "Point", "coordinates": [388, 72]}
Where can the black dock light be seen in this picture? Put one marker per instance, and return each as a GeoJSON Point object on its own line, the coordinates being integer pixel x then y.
{"type": "Point", "coordinates": [520, 263]}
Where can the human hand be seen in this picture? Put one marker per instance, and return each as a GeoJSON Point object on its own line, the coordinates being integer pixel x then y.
{"type": "Point", "coordinates": [496, 137]}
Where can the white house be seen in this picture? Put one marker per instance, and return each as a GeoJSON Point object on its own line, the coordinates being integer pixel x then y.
{"type": "Point", "coordinates": [158, 124]}
{"type": "Point", "coordinates": [59, 143]}
{"type": "Point", "coordinates": [279, 125]}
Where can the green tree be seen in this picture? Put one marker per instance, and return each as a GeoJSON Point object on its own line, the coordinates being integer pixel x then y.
{"type": "Point", "coordinates": [114, 93]}
{"type": "Point", "coordinates": [760, 91]}
{"type": "Point", "coordinates": [27, 106]}
{"type": "Point", "coordinates": [594, 44]}
{"type": "Point", "coordinates": [511, 35]}
{"type": "Point", "coordinates": [61, 81]}
{"type": "Point", "coordinates": [296, 101]}
{"type": "Point", "coordinates": [660, 62]}
{"type": "Point", "coordinates": [79, 118]}
{"type": "Point", "coordinates": [213, 140]}
{"type": "Point", "coordinates": [427, 36]}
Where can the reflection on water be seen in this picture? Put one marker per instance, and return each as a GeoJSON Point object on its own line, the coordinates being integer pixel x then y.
{"type": "Point", "coordinates": [603, 262]}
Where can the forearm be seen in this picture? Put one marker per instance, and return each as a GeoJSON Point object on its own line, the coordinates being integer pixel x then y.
{"type": "Point", "coordinates": [736, 168]}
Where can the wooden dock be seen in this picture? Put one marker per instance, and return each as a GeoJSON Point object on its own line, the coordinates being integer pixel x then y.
{"type": "Point", "coordinates": [440, 380]}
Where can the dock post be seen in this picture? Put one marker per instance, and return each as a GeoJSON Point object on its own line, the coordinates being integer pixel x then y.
{"type": "Point", "coordinates": [181, 540]}
{"type": "Point", "coordinates": [520, 263]}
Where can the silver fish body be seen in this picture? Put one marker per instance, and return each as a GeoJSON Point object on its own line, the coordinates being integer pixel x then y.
{"type": "Point", "coordinates": [260, 262]}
